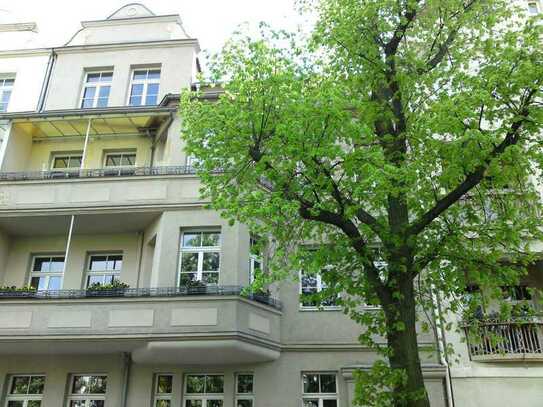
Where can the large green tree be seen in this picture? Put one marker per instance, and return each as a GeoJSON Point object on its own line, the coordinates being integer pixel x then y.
{"type": "Point", "coordinates": [400, 139]}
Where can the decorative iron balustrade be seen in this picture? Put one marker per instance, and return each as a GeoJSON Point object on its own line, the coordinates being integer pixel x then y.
{"type": "Point", "coordinates": [505, 338]}
{"type": "Point", "coordinates": [96, 173]}
{"type": "Point", "coordinates": [211, 290]}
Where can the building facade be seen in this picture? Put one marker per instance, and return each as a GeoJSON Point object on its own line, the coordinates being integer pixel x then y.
{"type": "Point", "coordinates": [96, 191]}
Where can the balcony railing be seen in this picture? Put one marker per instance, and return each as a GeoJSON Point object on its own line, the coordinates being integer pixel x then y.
{"type": "Point", "coordinates": [211, 290]}
{"type": "Point", "coordinates": [505, 340]}
{"type": "Point", "coordinates": [96, 173]}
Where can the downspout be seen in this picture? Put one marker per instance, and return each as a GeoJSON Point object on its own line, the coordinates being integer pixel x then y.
{"type": "Point", "coordinates": [46, 80]}
{"type": "Point", "coordinates": [68, 244]}
{"type": "Point", "coordinates": [442, 346]}
{"type": "Point", "coordinates": [84, 156]}
{"type": "Point", "coordinates": [140, 260]}
{"type": "Point", "coordinates": [127, 364]}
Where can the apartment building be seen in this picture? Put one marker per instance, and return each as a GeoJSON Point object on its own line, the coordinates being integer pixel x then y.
{"type": "Point", "coordinates": [96, 191]}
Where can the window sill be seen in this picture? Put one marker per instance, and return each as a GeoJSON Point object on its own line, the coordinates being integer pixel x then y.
{"type": "Point", "coordinates": [319, 309]}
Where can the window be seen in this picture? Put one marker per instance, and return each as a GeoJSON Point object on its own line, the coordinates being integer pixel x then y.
{"type": "Point", "coordinates": [96, 89]}
{"type": "Point", "coordinates": [533, 8]}
{"type": "Point", "coordinates": [204, 390]}
{"type": "Point", "coordinates": [319, 390]}
{"type": "Point", "coordinates": [87, 391]}
{"type": "Point", "coordinates": [192, 162]}
{"type": "Point", "coordinates": [47, 272]}
{"type": "Point", "coordinates": [245, 390]}
{"type": "Point", "coordinates": [25, 391]}
{"type": "Point", "coordinates": [144, 87]}
{"type": "Point", "coordinates": [310, 286]}
{"type": "Point", "coordinates": [120, 159]}
{"type": "Point", "coordinates": [104, 268]}
{"type": "Point", "coordinates": [6, 88]}
{"type": "Point", "coordinates": [255, 259]}
{"type": "Point", "coordinates": [200, 257]}
{"type": "Point", "coordinates": [62, 161]}
{"type": "Point", "coordinates": [163, 391]}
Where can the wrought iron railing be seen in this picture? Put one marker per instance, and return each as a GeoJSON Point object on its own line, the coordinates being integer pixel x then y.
{"type": "Point", "coordinates": [211, 290]}
{"type": "Point", "coordinates": [96, 173]}
{"type": "Point", "coordinates": [505, 338]}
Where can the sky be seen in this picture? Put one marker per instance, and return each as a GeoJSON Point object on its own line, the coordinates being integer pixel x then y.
{"type": "Point", "coordinates": [211, 21]}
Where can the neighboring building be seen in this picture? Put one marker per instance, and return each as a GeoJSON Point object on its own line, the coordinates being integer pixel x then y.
{"type": "Point", "coordinates": [95, 188]}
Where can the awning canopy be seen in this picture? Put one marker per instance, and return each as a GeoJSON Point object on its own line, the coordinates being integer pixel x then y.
{"type": "Point", "coordinates": [70, 123]}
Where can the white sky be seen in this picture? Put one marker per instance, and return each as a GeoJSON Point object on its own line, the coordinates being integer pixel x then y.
{"type": "Point", "coordinates": [210, 21]}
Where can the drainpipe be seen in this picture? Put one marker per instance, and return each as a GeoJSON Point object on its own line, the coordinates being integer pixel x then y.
{"type": "Point", "coordinates": [127, 364]}
{"type": "Point", "coordinates": [85, 145]}
{"type": "Point", "coordinates": [140, 259]}
{"type": "Point", "coordinates": [442, 346]}
{"type": "Point", "coordinates": [46, 80]}
{"type": "Point", "coordinates": [68, 244]}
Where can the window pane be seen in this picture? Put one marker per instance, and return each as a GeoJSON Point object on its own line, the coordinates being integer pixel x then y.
{"type": "Point", "coordinates": [211, 262]}
{"type": "Point", "coordinates": [15, 403]}
{"type": "Point", "coordinates": [135, 101]}
{"type": "Point", "coordinates": [214, 403]}
{"type": "Point", "coordinates": [74, 162]}
{"type": "Point", "coordinates": [34, 403]}
{"type": "Point", "coordinates": [97, 403]}
{"type": "Point", "coordinates": [7, 93]}
{"type": "Point", "coordinates": [245, 383]}
{"type": "Point", "coordinates": [89, 385]}
{"type": "Point", "coordinates": [106, 76]}
{"type": "Point", "coordinates": [150, 100]}
{"type": "Point", "coordinates": [87, 103]}
{"type": "Point", "coordinates": [163, 403]}
{"type": "Point", "coordinates": [91, 280]}
{"type": "Point", "coordinates": [328, 383]}
{"type": "Point", "coordinates": [329, 403]}
{"type": "Point", "coordinates": [102, 102]}
{"type": "Point", "coordinates": [41, 264]}
{"type": "Point", "coordinates": [210, 239]}
{"type": "Point", "coordinates": [195, 383]}
{"type": "Point", "coordinates": [98, 263]}
{"type": "Point", "coordinates": [210, 278]}
{"type": "Point", "coordinates": [89, 92]}
{"type": "Point", "coordinates": [128, 159]}
{"type": "Point", "coordinates": [9, 82]}
{"type": "Point", "coordinates": [154, 74]}
{"type": "Point", "coordinates": [77, 403]}
{"type": "Point", "coordinates": [60, 162]}
{"type": "Point", "coordinates": [20, 385]}
{"type": "Point", "coordinates": [164, 384]}
{"type": "Point", "coordinates": [186, 278]}
{"type": "Point", "coordinates": [215, 384]}
{"type": "Point", "coordinates": [38, 283]}
{"type": "Point", "coordinates": [36, 385]}
{"type": "Point", "coordinates": [93, 77]}
{"type": "Point", "coordinates": [113, 160]}
{"type": "Point", "coordinates": [189, 262]}
{"type": "Point", "coordinates": [192, 239]}
{"type": "Point", "coordinates": [193, 403]}
{"type": "Point", "coordinates": [244, 403]}
{"type": "Point", "coordinates": [137, 89]}
{"type": "Point", "coordinates": [57, 264]}
{"type": "Point", "coordinates": [55, 283]}
{"type": "Point", "coordinates": [104, 92]}
{"type": "Point", "coordinates": [3, 107]}
{"type": "Point", "coordinates": [117, 262]}
{"type": "Point", "coordinates": [311, 383]}
{"type": "Point", "coordinates": [311, 403]}
{"type": "Point", "coordinates": [152, 89]}
{"type": "Point", "coordinates": [138, 75]}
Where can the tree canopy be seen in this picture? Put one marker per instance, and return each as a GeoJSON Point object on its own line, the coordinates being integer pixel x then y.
{"type": "Point", "coordinates": [401, 139]}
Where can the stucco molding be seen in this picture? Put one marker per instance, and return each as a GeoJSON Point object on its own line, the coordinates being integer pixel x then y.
{"type": "Point", "coordinates": [119, 46]}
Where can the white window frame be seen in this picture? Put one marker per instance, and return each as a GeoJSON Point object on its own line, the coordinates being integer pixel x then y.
{"type": "Point", "coordinates": [320, 287]}
{"type": "Point", "coordinates": [57, 155]}
{"type": "Point", "coordinates": [244, 396]}
{"type": "Point", "coordinates": [200, 250]}
{"type": "Point", "coordinates": [89, 272]}
{"type": "Point", "coordinates": [98, 85]}
{"type": "Point", "coordinates": [122, 154]}
{"type": "Point", "coordinates": [204, 397]}
{"type": "Point", "coordinates": [85, 397]}
{"type": "Point", "coordinates": [46, 274]}
{"type": "Point", "coordinates": [25, 398]}
{"type": "Point", "coordinates": [537, 4]}
{"type": "Point", "coordinates": [320, 396]}
{"type": "Point", "coordinates": [6, 88]}
{"type": "Point", "coordinates": [162, 396]}
{"type": "Point", "coordinates": [145, 82]}
{"type": "Point", "coordinates": [253, 259]}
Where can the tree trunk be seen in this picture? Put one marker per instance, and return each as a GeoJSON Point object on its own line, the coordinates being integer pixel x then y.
{"type": "Point", "coordinates": [404, 347]}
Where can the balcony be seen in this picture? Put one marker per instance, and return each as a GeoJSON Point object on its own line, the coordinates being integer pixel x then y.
{"type": "Point", "coordinates": [193, 326]}
{"type": "Point", "coordinates": [505, 341]}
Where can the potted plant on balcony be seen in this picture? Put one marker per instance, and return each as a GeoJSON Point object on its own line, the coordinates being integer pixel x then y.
{"type": "Point", "coordinates": [195, 287]}
{"type": "Point", "coordinates": [114, 289]}
{"type": "Point", "coordinates": [13, 291]}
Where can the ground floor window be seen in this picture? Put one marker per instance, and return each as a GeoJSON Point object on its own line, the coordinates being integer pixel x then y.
{"type": "Point", "coordinates": [204, 390]}
{"type": "Point", "coordinates": [319, 390]}
{"type": "Point", "coordinates": [163, 391]}
{"type": "Point", "coordinates": [25, 391]}
{"type": "Point", "coordinates": [87, 391]}
{"type": "Point", "coordinates": [245, 390]}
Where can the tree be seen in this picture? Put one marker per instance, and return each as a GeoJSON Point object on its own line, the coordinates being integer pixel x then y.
{"type": "Point", "coordinates": [401, 138]}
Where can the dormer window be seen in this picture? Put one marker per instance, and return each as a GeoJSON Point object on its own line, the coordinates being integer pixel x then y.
{"type": "Point", "coordinates": [144, 87]}
{"type": "Point", "coordinates": [6, 87]}
{"type": "Point", "coordinates": [96, 89]}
